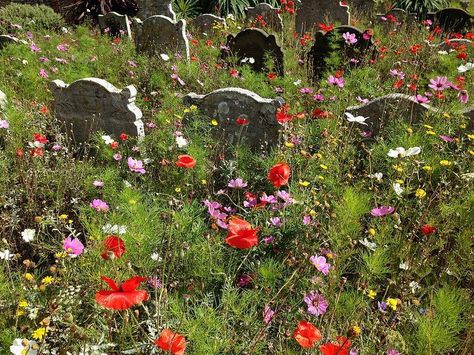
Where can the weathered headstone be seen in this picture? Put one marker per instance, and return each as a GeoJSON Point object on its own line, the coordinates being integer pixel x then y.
{"type": "Point", "coordinates": [205, 23]}
{"type": "Point", "coordinates": [264, 16]}
{"type": "Point", "coordinates": [3, 100]}
{"type": "Point", "coordinates": [158, 34]}
{"type": "Point", "coordinates": [91, 105]}
{"type": "Point", "coordinates": [328, 43]}
{"type": "Point", "coordinates": [452, 20]}
{"type": "Point", "coordinates": [115, 24]}
{"type": "Point", "coordinates": [310, 13]}
{"type": "Point", "coordinates": [261, 131]}
{"type": "Point", "coordinates": [6, 40]}
{"type": "Point", "coordinates": [252, 46]}
{"type": "Point", "coordinates": [396, 16]}
{"type": "Point", "coordinates": [389, 108]}
{"type": "Point", "coordinates": [148, 8]}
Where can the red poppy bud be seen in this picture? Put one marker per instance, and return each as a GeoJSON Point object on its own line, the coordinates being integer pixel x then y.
{"type": "Point", "coordinates": [186, 161]}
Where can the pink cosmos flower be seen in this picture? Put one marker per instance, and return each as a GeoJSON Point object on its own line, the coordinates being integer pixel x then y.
{"type": "Point", "coordinates": [34, 47]}
{"type": "Point", "coordinates": [340, 82]}
{"type": "Point", "coordinates": [421, 99]}
{"type": "Point", "coordinates": [350, 38]}
{"type": "Point", "coordinates": [56, 147]}
{"type": "Point", "coordinates": [4, 124]}
{"type": "Point", "coordinates": [446, 138]}
{"type": "Point", "coordinates": [73, 246]}
{"type": "Point", "coordinates": [99, 205]}
{"type": "Point", "coordinates": [98, 183]}
{"type": "Point", "coordinates": [382, 211]}
{"type": "Point", "coordinates": [318, 97]}
{"type": "Point", "coordinates": [320, 264]}
{"type": "Point", "coordinates": [136, 165]}
{"type": "Point", "coordinates": [275, 222]}
{"type": "Point", "coordinates": [268, 314]}
{"type": "Point", "coordinates": [463, 96]}
{"type": "Point", "coordinates": [397, 74]}
{"type": "Point", "coordinates": [62, 47]}
{"type": "Point", "coordinates": [117, 157]}
{"type": "Point", "coordinates": [306, 90]}
{"type": "Point", "coordinates": [43, 73]}
{"type": "Point", "coordinates": [237, 183]}
{"type": "Point", "coordinates": [317, 304]}
{"type": "Point", "coordinates": [440, 83]}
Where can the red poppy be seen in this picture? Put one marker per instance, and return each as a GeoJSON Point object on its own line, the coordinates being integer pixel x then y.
{"type": "Point", "coordinates": [122, 296]}
{"type": "Point", "coordinates": [186, 161]}
{"type": "Point", "coordinates": [242, 121]}
{"type": "Point", "coordinates": [283, 115]}
{"type": "Point", "coordinates": [326, 28]}
{"type": "Point", "coordinates": [241, 235]}
{"type": "Point", "coordinates": [271, 75]}
{"type": "Point", "coordinates": [341, 348]}
{"type": "Point", "coordinates": [279, 174]}
{"type": "Point", "coordinates": [171, 342]}
{"type": "Point", "coordinates": [427, 229]}
{"type": "Point", "coordinates": [114, 247]}
{"type": "Point", "coordinates": [114, 145]}
{"type": "Point", "coordinates": [123, 136]}
{"type": "Point", "coordinates": [306, 334]}
{"type": "Point", "coordinates": [40, 138]}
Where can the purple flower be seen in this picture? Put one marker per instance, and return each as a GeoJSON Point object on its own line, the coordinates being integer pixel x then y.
{"type": "Point", "coordinates": [43, 73]}
{"type": "Point", "coordinates": [350, 38]}
{"type": "Point", "coordinates": [320, 264]}
{"type": "Point", "coordinates": [398, 74]}
{"type": "Point", "coordinates": [440, 83]}
{"type": "Point", "coordinates": [62, 47]}
{"type": "Point", "coordinates": [340, 82]}
{"type": "Point", "coordinates": [306, 220]}
{"type": "Point", "coordinates": [446, 138]}
{"type": "Point", "coordinates": [268, 240]}
{"type": "Point", "coordinates": [56, 147]}
{"type": "Point", "coordinates": [98, 183]}
{"type": "Point", "coordinates": [73, 246]}
{"type": "Point", "coordinates": [463, 96]}
{"type": "Point", "coordinates": [4, 124]}
{"type": "Point", "coordinates": [99, 205]}
{"type": "Point", "coordinates": [135, 166]}
{"type": "Point", "coordinates": [285, 196]}
{"type": "Point", "coordinates": [318, 97]}
{"type": "Point", "coordinates": [362, 100]}
{"type": "Point", "coordinates": [393, 352]}
{"type": "Point", "coordinates": [382, 211]}
{"type": "Point", "coordinates": [34, 48]}
{"type": "Point", "coordinates": [117, 156]}
{"type": "Point", "coordinates": [268, 314]}
{"type": "Point", "coordinates": [306, 90]}
{"type": "Point", "coordinates": [154, 282]}
{"type": "Point", "coordinates": [382, 306]}
{"type": "Point", "coordinates": [268, 199]}
{"type": "Point", "coordinates": [317, 304]}
{"type": "Point", "coordinates": [237, 184]}
{"type": "Point", "coordinates": [276, 222]}
{"type": "Point", "coordinates": [244, 280]}
{"type": "Point", "coordinates": [421, 99]}
{"type": "Point", "coordinates": [43, 59]}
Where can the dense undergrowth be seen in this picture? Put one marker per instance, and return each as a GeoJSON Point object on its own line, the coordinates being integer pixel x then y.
{"type": "Point", "coordinates": [401, 282]}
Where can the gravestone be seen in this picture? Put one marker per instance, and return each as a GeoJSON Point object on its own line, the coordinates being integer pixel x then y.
{"type": "Point", "coordinates": [5, 40]}
{"type": "Point", "coordinates": [264, 14]}
{"type": "Point", "coordinates": [452, 44]}
{"type": "Point", "coordinates": [229, 104]}
{"type": "Point", "coordinates": [397, 16]}
{"type": "Point", "coordinates": [205, 23]}
{"type": "Point", "coordinates": [90, 105]}
{"type": "Point", "coordinates": [116, 24]}
{"type": "Point", "coordinates": [362, 6]}
{"type": "Point", "coordinates": [251, 46]}
{"type": "Point", "coordinates": [469, 113]}
{"type": "Point", "coordinates": [328, 43]}
{"type": "Point", "coordinates": [390, 107]}
{"type": "Point", "coordinates": [159, 34]}
{"type": "Point", "coordinates": [452, 20]}
{"type": "Point", "coordinates": [3, 100]}
{"type": "Point", "coordinates": [148, 8]}
{"type": "Point", "coordinates": [312, 12]}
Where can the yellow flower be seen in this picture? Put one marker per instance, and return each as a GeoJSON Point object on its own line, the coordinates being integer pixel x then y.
{"type": "Point", "coordinates": [48, 280]}
{"type": "Point", "coordinates": [320, 177]}
{"type": "Point", "coordinates": [304, 183]}
{"type": "Point", "coordinates": [409, 130]}
{"type": "Point", "coordinates": [427, 168]}
{"type": "Point", "coordinates": [319, 155]}
{"type": "Point", "coordinates": [433, 133]}
{"type": "Point", "coordinates": [356, 330]}
{"type": "Point", "coordinates": [132, 202]}
{"type": "Point", "coordinates": [214, 122]}
{"type": "Point", "coordinates": [471, 152]}
{"type": "Point", "coordinates": [420, 193]}
{"type": "Point", "coordinates": [445, 163]}
{"type": "Point", "coordinates": [23, 304]}
{"type": "Point", "coordinates": [371, 294]}
{"type": "Point", "coordinates": [372, 231]}
{"type": "Point", "coordinates": [323, 166]}
{"type": "Point", "coordinates": [446, 115]}
{"type": "Point", "coordinates": [398, 168]}
{"type": "Point", "coordinates": [63, 216]}
{"type": "Point", "coordinates": [313, 213]}
{"type": "Point", "coordinates": [289, 145]}
{"type": "Point", "coordinates": [428, 126]}
{"type": "Point", "coordinates": [470, 136]}
{"type": "Point", "coordinates": [178, 189]}
{"type": "Point", "coordinates": [399, 181]}
{"type": "Point", "coordinates": [61, 254]}
{"type": "Point", "coordinates": [204, 181]}
{"type": "Point", "coordinates": [28, 276]}
{"type": "Point", "coordinates": [392, 303]}
{"type": "Point", "coordinates": [38, 219]}
{"type": "Point", "coordinates": [39, 333]}
{"type": "Point", "coordinates": [19, 312]}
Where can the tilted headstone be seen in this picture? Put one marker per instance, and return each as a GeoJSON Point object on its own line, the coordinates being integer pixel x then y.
{"type": "Point", "coordinates": [452, 20]}
{"type": "Point", "coordinates": [391, 107]}
{"type": "Point", "coordinates": [90, 105]}
{"type": "Point", "coordinates": [252, 46]}
{"type": "Point", "coordinates": [328, 43]}
{"type": "Point", "coordinates": [148, 8]}
{"type": "Point", "coordinates": [3, 100]}
{"type": "Point", "coordinates": [229, 104]}
{"type": "Point", "coordinates": [206, 23]}
{"type": "Point", "coordinates": [310, 13]}
{"type": "Point", "coordinates": [6, 40]}
{"type": "Point", "coordinates": [115, 24]}
{"type": "Point", "coordinates": [158, 34]}
{"type": "Point", "coordinates": [396, 16]}
{"type": "Point", "coordinates": [264, 16]}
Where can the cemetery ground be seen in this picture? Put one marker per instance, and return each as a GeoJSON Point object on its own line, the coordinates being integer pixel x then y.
{"type": "Point", "coordinates": [333, 239]}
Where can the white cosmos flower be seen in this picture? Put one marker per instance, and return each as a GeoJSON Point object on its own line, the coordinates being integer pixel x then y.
{"type": "Point", "coordinates": [181, 141]}
{"type": "Point", "coordinates": [165, 57]}
{"type": "Point", "coordinates": [369, 245]}
{"type": "Point", "coordinates": [404, 266]}
{"type": "Point", "coordinates": [414, 286]}
{"type": "Point", "coordinates": [376, 176]}
{"type": "Point", "coordinates": [155, 256]}
{"type": "Point", "coordinates": [356, 119]}
{"type": "Point", "coordinates": [5, 255]}
{"type": "Point", "coordinates": [397, 188]}
{"type": "Point", "coordinates": [28, 235]}
{"type": "Point", "coordinates": [400, 152]}
{"type": "Point", "coordinates": [464, 68]}
{"type": "Point", "coordinates": [109, 228]}
{"type": "Point", "coordinates": [24, 347]}
{"type": "Point", "coordinates": [107, 140]}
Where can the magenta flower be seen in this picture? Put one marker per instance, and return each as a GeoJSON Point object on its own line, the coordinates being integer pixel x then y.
{"type": "Point", "coordinates": [43, 73]}
{"type": "Point", "coordinates": [117, 156]}
{"type": "Point", "coordinates": [135, 166]}
{"type": "Point", "coordinates": [393, 352]}
{"type": "Point", "coordinates": [317, 304]}
{"type": "Point", "coordinates": [268, 314]}
{"type": "Point", "coordinates": [98, 183]}
{"type": "Point", "coordinates": [340, 82]}
{"type": "Point", "coordinates": [306, 90]}
{"type": "Point", "coordinates": [275, 222]}
{"type": "Point", "coordinates": [4, 124]}
{"type": "Point", "coordinates": [318, 97]}
{"type": "Point", "coordinates": [446, 138]}
{"type": "Point", "coordinates": [320, 264]}
{"type": "Point", "coordinates": [56, 147]}
{"type": "Point", "coordinates": [350, 38]}
{"type": "Point", "coordinates": [237, 184]}
{"type": "Point", "coordinates": [397, 74]}
{"type": "Point", "coordinates": [73, 246]}
{"type": "Point", "coordinates": [34, 48]}
{"type": "Point", "coordinates": [99, 205]}
{"type": "Point", "coordinates": [421, 99]}
{"type": "Point", "coordinates": [440, 83]}
{"type": "Point", "coordinates": [62, 47]}
{"type": "Point", "coordinates": [382, 211]}
{"type": "Point", "coordinates": [463, 96]}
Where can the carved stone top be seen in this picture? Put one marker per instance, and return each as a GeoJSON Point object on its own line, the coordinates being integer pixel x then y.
{"type": "Point", "coordinates": [452, 20]}
{"type": "Point", "coordinates": [115, 23]}
{"type": "Point", "coordinates": [205, 23]}
{"type": "Point", "coordinates": [149, 8]}
{"type": "Point", "coordinates": [6, 40]}
{"type": "Point", "coordinates": [266, 13]}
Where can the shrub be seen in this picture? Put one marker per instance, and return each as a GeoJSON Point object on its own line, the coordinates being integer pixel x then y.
{"type": "Point", "coordinates": [29, 17]}
{"type": "Point", "coordinates": [421, 7]}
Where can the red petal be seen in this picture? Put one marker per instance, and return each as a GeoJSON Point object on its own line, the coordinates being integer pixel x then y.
{"type": "Point", "coordinates": [111, 283]}
{"type": "Point", "coordinates": [132, 284]}
{"type": "Point", "coordinates": [120, 300]}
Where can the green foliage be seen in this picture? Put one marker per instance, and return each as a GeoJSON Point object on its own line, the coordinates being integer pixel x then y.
{"type": "Point", "coordinates": [186, 8]}
{"type": "Point", "coordinates": [421, 7]}
{"type": "Point", "coordinates": [37, 18]}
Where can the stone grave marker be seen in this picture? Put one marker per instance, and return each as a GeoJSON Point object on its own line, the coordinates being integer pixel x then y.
{"type": "Point", "coordinates": [159, 34]}
{"type": "Point", "coordinates": [452, 20]}
{"type": "Point", "coordinates": [312, 12]}
{"type": "Point", "coordinates": [6, 40]}
{"type": "Point", "coordinates": [326, 43]}
{"type": "Point", "coordinates": [90, 105]}
{"type": "Point", "coordinates": [362, 6]}
{"type": "Point", "coordinates": [230, 104]}
{"type": "Point", "coordinates": [392, 106]}
{"type": "Point", "coordinates": [264, 16]}
{"type": "Point", "coordinates": [117, 25]}
{"type": "Point", "coordinates": [205, 23]}
{"type": "Point", "coordinates": [148, 8]}
{"type": "Point", "coordinates": [251, 46]}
